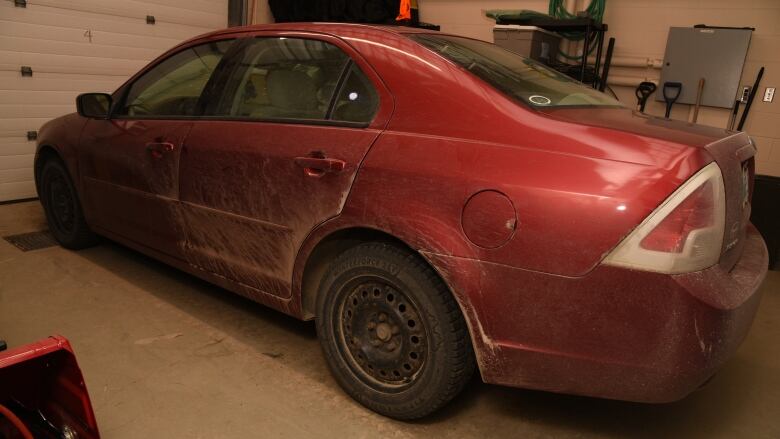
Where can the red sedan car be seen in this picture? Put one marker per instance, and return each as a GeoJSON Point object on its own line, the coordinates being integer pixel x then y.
{"type": "Point", "coordinates": [435, 202]}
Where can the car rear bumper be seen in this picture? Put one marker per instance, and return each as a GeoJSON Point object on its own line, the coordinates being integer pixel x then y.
{"type": "Point", "coordinates": [615, 333]}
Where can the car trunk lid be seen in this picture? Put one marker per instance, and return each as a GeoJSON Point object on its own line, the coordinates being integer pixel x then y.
{"type": "Point", "coordinates": [733, 152]}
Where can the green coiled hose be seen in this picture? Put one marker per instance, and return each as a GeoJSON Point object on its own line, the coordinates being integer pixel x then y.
{"type": "Point", "coordinates": [595, 10]}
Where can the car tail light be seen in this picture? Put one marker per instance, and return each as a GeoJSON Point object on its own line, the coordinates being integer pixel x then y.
{"type": "Point", "coordinates": [684, 234]}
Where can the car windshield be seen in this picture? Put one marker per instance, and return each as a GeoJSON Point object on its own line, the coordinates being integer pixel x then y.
{"type": "Point", "coordinates": [516, 76]}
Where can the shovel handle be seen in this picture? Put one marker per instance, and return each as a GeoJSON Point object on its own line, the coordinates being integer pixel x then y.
{"type": "Point", "coordinates": [669, 97]}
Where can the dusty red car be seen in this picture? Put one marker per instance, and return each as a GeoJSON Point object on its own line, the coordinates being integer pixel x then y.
{"type": "Point", "coordinates": [435, 202]}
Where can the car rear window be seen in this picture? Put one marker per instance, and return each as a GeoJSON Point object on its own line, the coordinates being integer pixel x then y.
{"type": "Point", "coordinates": [516, 76]}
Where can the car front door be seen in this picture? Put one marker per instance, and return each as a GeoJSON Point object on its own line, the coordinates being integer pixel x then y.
{"type": "Point", "coordinates": [276, 155]}
{"type": "Point", "coordinates": [129, 163]}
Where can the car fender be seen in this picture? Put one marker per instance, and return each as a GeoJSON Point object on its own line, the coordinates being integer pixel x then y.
{"type": "Point", "coordinates": [61, 135]}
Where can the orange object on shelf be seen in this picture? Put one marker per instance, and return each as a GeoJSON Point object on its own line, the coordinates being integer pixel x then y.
{"type": "Point", "coordinates": [405, 12]}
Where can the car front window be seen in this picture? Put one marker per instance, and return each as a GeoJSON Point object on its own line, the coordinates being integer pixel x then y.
{"type": "Point", "coordinates": [173, 87]}
{"type": "Point", "coordinates": [514, 75]}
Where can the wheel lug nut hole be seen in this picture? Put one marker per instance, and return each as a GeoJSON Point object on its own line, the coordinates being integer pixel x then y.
{"type": "Point", "coordinates": [411, 323]}
{"type": "Point", "coordinates": [415, 339]}
{"type": "Point", "coordinates": [390, 297]}
{"type": "Point", "coordinates": [396, 373]}
{"type": "Point", "coordinates": [407, 366]}
{"type": "Point", "coordinates": [402, 307]}
{"type": "Point", "coordinates": [382, 372]}
{"type": "Point", "coordinates": [377, 292]}
{"type": "Point", "coordinates": [364, 293]}
{"type": "Point", "coordinates": [354, 300]}
{"type": "Point", "coordinates": [413, 355]}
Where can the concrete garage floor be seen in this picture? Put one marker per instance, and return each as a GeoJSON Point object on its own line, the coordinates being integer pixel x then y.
{"type": "Point", "coordinates": [166, 355]}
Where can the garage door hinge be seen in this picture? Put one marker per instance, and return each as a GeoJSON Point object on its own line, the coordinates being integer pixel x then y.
{"type": "Point", "coordinates": [26, 71]}
{"type": "Point", "coordinates": [32, 135]}
{"type": "Point", "coordinates": [20, 3]}
{"type": "Point", "coordinates": [150, 19]}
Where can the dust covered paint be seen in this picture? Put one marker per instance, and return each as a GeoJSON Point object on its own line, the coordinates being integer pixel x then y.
{"type": "Point", "coordinates": [231, 202]}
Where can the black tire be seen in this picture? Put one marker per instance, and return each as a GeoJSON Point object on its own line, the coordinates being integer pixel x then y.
{"type": "Point", "coordinates": [392, 334]}
{"type": "Point", "coordinates": [63, 210]}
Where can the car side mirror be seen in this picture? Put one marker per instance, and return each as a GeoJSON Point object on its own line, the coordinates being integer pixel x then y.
{"type": "Point", "coordinates": [94, 105]}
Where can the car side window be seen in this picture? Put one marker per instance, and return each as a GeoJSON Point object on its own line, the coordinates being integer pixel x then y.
{"type": "Point", "coordinates": [357, 100]}
{"type": "Point", "coordinates": [173, 87]}
{"type": "Point", "coordinates": [288, 78]}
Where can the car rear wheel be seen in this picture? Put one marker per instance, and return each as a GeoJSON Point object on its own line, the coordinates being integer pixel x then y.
{"type": "Point", "coordinates": [63, 209]}
{"type": "Point", "coordinates": [392, 333]}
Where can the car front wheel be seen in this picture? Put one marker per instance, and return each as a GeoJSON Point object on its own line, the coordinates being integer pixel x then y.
{"type": "Point", "coordinates": [62, 207]}
{"type": "Point", "coordinates": [392, 333]}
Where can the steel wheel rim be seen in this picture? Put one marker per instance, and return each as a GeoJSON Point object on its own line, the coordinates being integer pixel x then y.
{"type": "Point", "coordinates": [61, 204]}
{"type": "Point", "coordinates": [381, 333]}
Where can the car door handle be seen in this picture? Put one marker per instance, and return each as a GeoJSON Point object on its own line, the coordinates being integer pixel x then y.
{"type": "Point", "coordinates": [157, 149]}
{"type": "Point", "coordinates": [316, 166]}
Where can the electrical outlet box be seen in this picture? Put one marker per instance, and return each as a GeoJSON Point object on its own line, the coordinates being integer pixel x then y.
{"type": "Point", "coordinates": [745, 95]}
{"type": "Point", "coordinates": [769, 94]}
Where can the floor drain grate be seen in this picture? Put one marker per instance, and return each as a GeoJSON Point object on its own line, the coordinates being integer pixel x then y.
{"type": "Point", "coordinates": [32, 241]}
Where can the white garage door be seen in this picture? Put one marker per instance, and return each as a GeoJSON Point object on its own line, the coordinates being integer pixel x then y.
{"type": "Point", "coordinates": [77, 46]}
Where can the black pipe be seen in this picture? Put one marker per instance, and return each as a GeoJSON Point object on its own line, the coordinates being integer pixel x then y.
{"type": "Point", "coordinates": [585, 47]}
{"type": "Point", "coordinates": [750, 99]}
{"type": "Point", "coordinates": [734, 112]}
{"type": "Point", "coordinates": [597, 64]}
{"type": "Point", "coordinates": [607, 63]}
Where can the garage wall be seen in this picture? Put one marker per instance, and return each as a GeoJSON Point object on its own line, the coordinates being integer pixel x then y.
{"type": "Point", "coordinates": [640, 28]}
{"type": "Point", "coordinates": [78, 46]}
{"type": "Point", "coordinates": [262, 13]}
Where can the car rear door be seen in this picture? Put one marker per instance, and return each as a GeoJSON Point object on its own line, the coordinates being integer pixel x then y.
{"type": "Point", "coordinates": [129, 163]}
{"type": "Point", "coordinates": [276, 155]}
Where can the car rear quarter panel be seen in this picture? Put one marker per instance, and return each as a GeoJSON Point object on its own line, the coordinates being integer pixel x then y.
{"type": "Point", "coordinates": [577, 189]}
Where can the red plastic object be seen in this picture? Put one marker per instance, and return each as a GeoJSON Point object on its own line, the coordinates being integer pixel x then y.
{"type": "Point", "coordinates": [15, 422]}
{"type": "Point", "coordinates": [44, 377]}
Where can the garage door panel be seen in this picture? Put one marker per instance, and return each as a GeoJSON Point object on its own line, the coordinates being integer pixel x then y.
{"type": "Point", "coordinates": [129, 8]}
{"type": "Point", "coordinates": [45, 15]}
{"type": "Point", "coordinates": [17, 190]}
{"type": "Point", "coordinates": [217, 7]}
{"type": "Point", "coordinates": [16, 126]}
{"type": "Point", "coordinates": [8, 111]}
{"type": "Point", "coordinates": [17, 161]}
{"type": "Point", "coordinates": [15, 175]}
{"type": "Point", "coordinates": [36, 97]}
{"type": "Point", "coordinates": [53, 63]}
{"type": "Point", "coordinates": [42, 81]}
{"type": "Point", "coordinates": [16, 146]}
{"type": "Point", "coordinates": [74, 47]}
{"type": "Point", "coordinates": [80, 35]}
{"type": "Point", "coordinates": [69, 48]}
